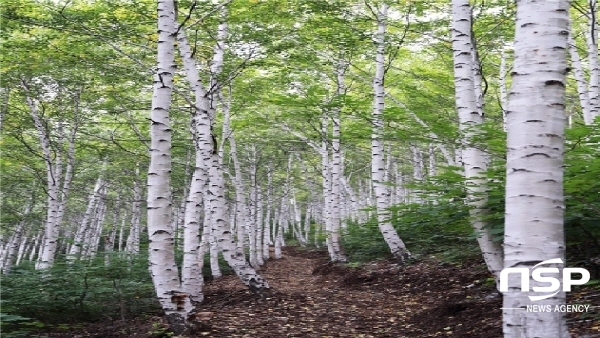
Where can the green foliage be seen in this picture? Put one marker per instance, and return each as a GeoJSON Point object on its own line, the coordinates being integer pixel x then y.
{"type": "Point", "coordinates": [13, 326]}
{"type": "Point", "coordinates": [439, 229]}
{"type": "Point", "coordinates": [364, 242]}
{"type": "Point", "coordinates": [582, 191]}
{"type": "Point", "coordinates": [81, 291]}
{"type": "Point", "coordinates": [160, 330]}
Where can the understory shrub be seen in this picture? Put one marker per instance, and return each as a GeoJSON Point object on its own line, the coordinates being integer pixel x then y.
{"type": "Point", "coordinates": [81, 291]}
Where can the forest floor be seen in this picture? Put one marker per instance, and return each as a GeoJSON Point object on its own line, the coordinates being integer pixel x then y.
{"type": "Point", "coordinates": [310, 297]}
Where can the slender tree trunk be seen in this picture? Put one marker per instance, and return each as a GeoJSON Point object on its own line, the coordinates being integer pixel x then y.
{"type": "Point", "coordinates": [503, 92]}
{"type": "Point", "coordinates": [251, 214]}
{"type": "Point", "coordinates": [208, 149]}
{"type": "Point", "coordinates": [594, 65]}
{"type": "Point", "coordinates": [278, 241]}
{"type": "Point", "coordinates": [133, 240]}
{"type": "Point", "coordinates": [326, 173]}
{"type": "Point", "coordinates": [46, 258]}
{"type": "Point", "coordinates": [13, 244]}
{"type": "Point", "coordinates": [121, 234]}
{"type": "Point", "coordinates": [382, 193]}
{"type": "Point", "coordinates": [470, 116]}
{"type": "Point", "coordinates": [39, 239]}
{"type": "Point", "coordinates": [259, 224]}
{"type": "Point", "coordinates": [267, 222]}
{"type": "Point", "coordinates": [336, 167]}
{"type": "Point", "coordinates": [84, 228]}
{"type": "Point", "coordinates": [21, 252]}
{"type": "Point", "coordinates": [432, 161]}
{"type": "Point", "coordinates": [417, 162]}
{"type": "Point", "coordinates": [582, 84]}
{"type": "Point", "coordinates": [534, 230]}
{"type": "Point", "coordinates": [192, 281]}
{"type": "Point", "coordinates": [242, 217]}
{"type": "Point", "coordinates": [97, 228]}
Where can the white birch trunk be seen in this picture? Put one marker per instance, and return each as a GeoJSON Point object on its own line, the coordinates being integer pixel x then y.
{"type": "Point", "coordinates": [336, 168]}
{"type": "Point", "coordinates": [165, 274]}
{"type": "Point", "coordinates": [267, 222]}
{"type": "Point", "coordinates": [432, 162]}
{"type": "Point", "coordinates": [242, 217]}
{"type": "Point", "coordinates": [534, 229]}
{"type": "Point", "coordinates": [278, 241]}
{"type": "Point", "coordinates": [594, 65]}
{"type": "Point", "coordinates": [251, 214]}
{"type": "Point", "coordinates": [133, 240]}
{"type": "Point", "coordinates": [382, 193]}
{"type": "Point", "coordinates": [582, 84]}
{"type": "Point", "coordinates": [36, 246]}
{"type": "Point", "coordinates": [470, 117]}
{"type": "Point", "coordinates": [259, 223]}
{"type": "Point", "coordinates": [502, 84]}
{"type": "Point", "coordinates": [46, 258]}
{"type": "Point", "coordinates": [209, 242]}
{"type": "Point", "coordinates": [21, 252]}
{"type": "Point", "coordinates": [208, 151]}
{"type": "Point", "coordinates": [192, 281]}
{"type": "Point", "coordinates": [121, 234]}
{"type": "Point", "coordinates": [215, 269]}
{"type": "Point", "coordinates": [12, 247]}
{"type": "Point", "coordinates": [326, 173]}
{"type": "Point", "coordinates": [83, 229]}
{"type": "Point", "coordinates": [98, 228]}
{"type": "Point", "coordinates": [417, 162]}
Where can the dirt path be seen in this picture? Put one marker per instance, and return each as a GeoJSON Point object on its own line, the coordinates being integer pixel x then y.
{"type": "Point", "coordinates": [311, 298]}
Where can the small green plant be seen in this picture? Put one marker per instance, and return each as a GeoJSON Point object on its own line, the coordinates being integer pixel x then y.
{"type": "Point", "coordinates": [160, 330]}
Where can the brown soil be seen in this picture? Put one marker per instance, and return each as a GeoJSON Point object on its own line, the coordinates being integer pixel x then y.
{"type": "Point", "coordinates": [310, 297]}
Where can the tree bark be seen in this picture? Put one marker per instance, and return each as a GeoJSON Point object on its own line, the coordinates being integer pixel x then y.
{"type": "Point", "coordinates": [534, 230]}
{"type": "Point", "coordinates": [470, 117]}
{"type": "Point", "coordinates": [165, 274]}
{"type": "Point", "coordinates": [382, 193]}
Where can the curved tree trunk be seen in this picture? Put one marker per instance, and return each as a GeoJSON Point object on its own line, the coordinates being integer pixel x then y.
{"type": "Point", "coordinates": [205, 110]}
{"type": "Point", "coordinates": [470, 113]}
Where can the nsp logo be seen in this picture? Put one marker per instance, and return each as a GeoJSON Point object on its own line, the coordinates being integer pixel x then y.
{"type": "Point", "coordinates": [536, 274]}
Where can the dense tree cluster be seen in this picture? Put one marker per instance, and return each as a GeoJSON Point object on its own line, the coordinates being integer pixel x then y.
{"type": "Point", "coordinates": [364, 127]}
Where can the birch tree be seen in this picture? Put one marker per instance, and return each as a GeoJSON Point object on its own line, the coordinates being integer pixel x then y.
{"type": "Point", "coordinates": [84, 227]}
{"type": "Point", "coordinates": [382, 193]}
{"type": "Point", "coordinates": [470, 114]}
{"type": "Point", "coordinates": [534, 229]}
{"type": "Point", "coordinates": [336, 164]}
{"type": "Point", "coordinates": [58, 174]}
{"type": "Point", "coordinates": [205, 110]}
{"type": "Point", "coordinates": [587, 88]}
{"type": "Point", "coordinates": [165, 274]}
